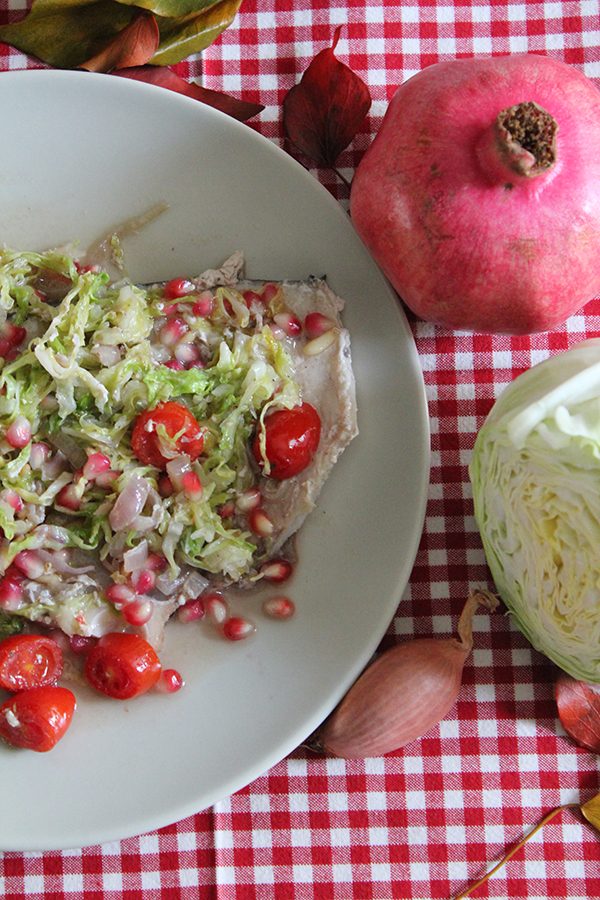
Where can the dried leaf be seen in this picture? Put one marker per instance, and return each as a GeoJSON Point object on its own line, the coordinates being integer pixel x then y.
{"type": "Point", "coordinates": [66, 33]}
{"type": "Point", "coordinates": [324, 111]}
{"type": "Point", "coordinates": [578, 706]}
{"type": "Point", "coordinates": [591, 810]}
{"type": "Point", "coordinates": [166, 78]}
{"type": "Point", "coordinates": [133, 46]}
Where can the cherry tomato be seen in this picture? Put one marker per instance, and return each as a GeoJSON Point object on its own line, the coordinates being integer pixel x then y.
{"type": "Point", "coordinates": [122, 665]}
{"type": "Point", "coordinates": [292, 437]}
{"type": "Point", "coordinates": [29, 661]}
{"type": "Point", "coordinates": [38, 718]}
{"type": "Point", "coordinates": [176, 420]}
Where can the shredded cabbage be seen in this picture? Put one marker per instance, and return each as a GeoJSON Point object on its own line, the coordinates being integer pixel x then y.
{"type": "Point", "coordinates": [73, 402]}
{"type": "Point", "coordinates": [535, 474]}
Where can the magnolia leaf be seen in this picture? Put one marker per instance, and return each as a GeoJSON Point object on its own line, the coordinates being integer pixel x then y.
{"type": "Point", "coordinates": [133, 46]}
{"type": "Point", "coordinates": [324, 111]}
{"type": "Point", "coordinates": [166, 78]}
{"type": "Point", "coordinates": [578, 705]}
{"type": "Point", "coordinates": [67, 33]}
{"type": "Point", "coordinates": [591, 810]}
{"type": "Point", "coordinates": [178, 38]}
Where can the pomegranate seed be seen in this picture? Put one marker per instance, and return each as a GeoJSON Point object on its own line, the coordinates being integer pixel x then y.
{"type": "Point", "coordinates": [316, 324]}
{"type": "Point", "coordinates": [236, 628]}
{"type": "Point", "coordinates": [279, 607]}
{"type": "Point", "coordinates": [14, 574]}
{"type": "Point", "coordinates": [227, 510]}
{"type": "Point", "coordinates": [251, 297]}
{"type": "Point", "coordinates": [172, 332]}
{"type": "Point", "coordinates": [260, 523]}
{"type": "Point", "coordinates": [186, 352]}
{"type": "Point", "coordinates": [40, 452]}
{"type": "Point", "coordinates": [170, 681]}
{"type": "Point", "coordinates": [119, 594]}
{"type": "Point", "coordinates": [69, 497]}
{"type": "Point", "coordinates": [191, 611]}
{"type": "Point", "coordinates": [80, 644]}
{"type": "Point", "coordinates": [29, 563]}
{"type": "Point", "coordinates": [96, 464]}
{"type": "Point", "coordinates": [276, 570]}
{"type": "Point", "coordinates": [16, 334]}
{"type": "Point", "coordinates": [248, 499]}
{"type": "Point", "coordinates": [198, 364]}
{"type": "Point", "coordinates": [319, 344]}
{"type": "Point", "coordinates": [144, 581]}
{"type": "Point", "coordinates": [18, 433]}
{"type": "Point", "coordinates": [165, 486]}
{"type": "Point", "coordinates": [172, 310]}
{"type": "Point", "coordinates": [156, 562]}
{"type": "Point", "coordinates": [138, 612]}
{"type": "Point", "coordinates": [204, 305]}
{"type": "Point", "coordinates": [174, 364]}
{"type": "Point", "coordinates": [269, 291]}
{"type": "Point", "coordinates": [107, 479]}
{"type": "Point", "coordinates": [216, 607]}
{"type": "Point", "coordinates": [13, 499]}
{"type": "Point", "coordinates": [289, 323]}
{"type": "Point", "coordinates": [178, 287]}
{"type": "Point", "coordinates": [191, 485]}
{"type": "Point", "coordinates": [11, 594]}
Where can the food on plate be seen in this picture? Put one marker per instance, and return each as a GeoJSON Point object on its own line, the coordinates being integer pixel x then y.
{"type": "Point", "coordinates": [535, 473]}
{"type": "Point", "coordinates": [29, 661]}
{"type": "Point", "coordinates": [122, 666]}
{"type": "Point", "coordinates": [38, 718]}
{"type": "Point", "coordinates": [480, 195]}
{"type": "Point", "coordinates": [158, 443]}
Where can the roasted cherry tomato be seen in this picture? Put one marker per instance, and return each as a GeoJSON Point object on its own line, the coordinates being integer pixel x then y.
{"type": "Point", "coordinates": [122, 665]}
{"type": "Point", "coordinates": [291, 437]}
{"type": "Point", "coordinates": [178, 423]}
{"type": "Point", "coordinates": [29, 661]}
{"type": "Point", "coordinates": [37, 719]}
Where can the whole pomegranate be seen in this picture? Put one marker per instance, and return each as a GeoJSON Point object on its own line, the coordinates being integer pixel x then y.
{"type": "Point", "coordinates": [480, 195]}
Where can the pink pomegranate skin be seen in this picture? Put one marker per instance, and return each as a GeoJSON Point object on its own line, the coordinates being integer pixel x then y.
{"type": "Point", "coordinates": [468, 241]}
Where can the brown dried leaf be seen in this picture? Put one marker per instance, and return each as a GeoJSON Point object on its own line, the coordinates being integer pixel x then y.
{"type": "Point", "coordinates": [133, 46]}
{"type": "Point", "coordinates": [591, 811]}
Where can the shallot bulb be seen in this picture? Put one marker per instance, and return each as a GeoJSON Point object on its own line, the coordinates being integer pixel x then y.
{"type": "Point", "coordinates": [404, 693]}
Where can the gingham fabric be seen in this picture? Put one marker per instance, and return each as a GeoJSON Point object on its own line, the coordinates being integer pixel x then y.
{"type": "Point", "coordinates": [424, 822]}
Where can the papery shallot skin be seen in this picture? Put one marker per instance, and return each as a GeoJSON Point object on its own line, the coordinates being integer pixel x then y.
{"type": "Point", "coordinates": [467, 242]}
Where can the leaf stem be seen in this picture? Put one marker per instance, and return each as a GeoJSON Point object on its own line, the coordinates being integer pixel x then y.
{"type": "Point", "coordinates": [515, 849]}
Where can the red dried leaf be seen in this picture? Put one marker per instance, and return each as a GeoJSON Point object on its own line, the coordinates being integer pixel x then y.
{"type": "Point", "coordinates": [166, 78]}
{"type": "Point", "coordinates": [324, 111]}
{"type": "Point", "coordinates": [579, 710]}
{"type": "Point", "coordinates": [134, 45]}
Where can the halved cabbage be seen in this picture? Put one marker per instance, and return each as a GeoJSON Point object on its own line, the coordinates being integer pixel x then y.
{"type": "Point", "coordinates": [535, 473]}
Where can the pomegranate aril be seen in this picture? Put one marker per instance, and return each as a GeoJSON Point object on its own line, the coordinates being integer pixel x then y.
{"type": "Point", "coordinates": [96, 464]}
{"type": "Point", "coordinates": [38, 455]}
{"type": "Point", "coordinates": [260, 523]}
{"type": "Point", "coordinates": [251, 297]}
{"type": "Point", "coordinates": [107, 479]}
{"type": "Point", "coordinates": [319, 344]}
{"type": "Point", "coordinates": [172, 310]}
{"type": "Point", "coordinates": [13, 499]}
{"type": "Point", "coordinates": [248, 499]}
{"type": "Point", "coordinates": [174, 364]}
{"type": "Point", "coordinates": [156, 562]}
{"type": "Point", "coordinates": [11, 594]}
{"type": "Point", "coordinates": [316, 324]}
{"type": "Point", "coordinates": [227, 510]}
{"type": "Point", "coordinates": [237, 628]}
{"type": "Point", "coordinates": [165, 486]}
{"type": "Point", "coordinates": [170, 681]}
{"type": "Point", "coordinates": [216, 607]}
{"type": "Point", "coordinates": [289, 323]}
{"type": "Point", "coordinates": [119, 594]}
{"type": "Point", "coordinates": [187, 353]}
{"type": "Point", "coordinates": [80, 644]}
{"type": "Point", "coordinates": [69, 497]}
{"type": "Point", "coordinates": [204, 305]}
{"type": "Point", "coordinates": [172, 332]}
{"type": "Point", "coordinates": [279, 607]}
{"type": "Point", "coordinates": [144, 581]}
{"type": "Point", "coordinates": [18, 433]}
{"type": "Point", "coordinates": [276, 570]}
{"type": "Point", "coordinates": [269, 291]}
{"type": "Point", "coordinates": [29, 563]}
{"type": "Point", "coordinates": [138, 612]}
{"type": "Point", "coordinates": [191, 611]}
{"type": "Point", "coordinates": [192, 485]}
{"type": "Point", "coordinates": [178, 287]}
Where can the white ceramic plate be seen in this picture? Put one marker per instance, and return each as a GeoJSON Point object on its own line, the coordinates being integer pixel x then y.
{"type": "Point", "coordinates": [83, 153]}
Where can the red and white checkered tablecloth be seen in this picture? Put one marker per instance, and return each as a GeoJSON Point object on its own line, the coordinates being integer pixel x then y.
{"type": "Point", "coordinates": [425, 821]}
